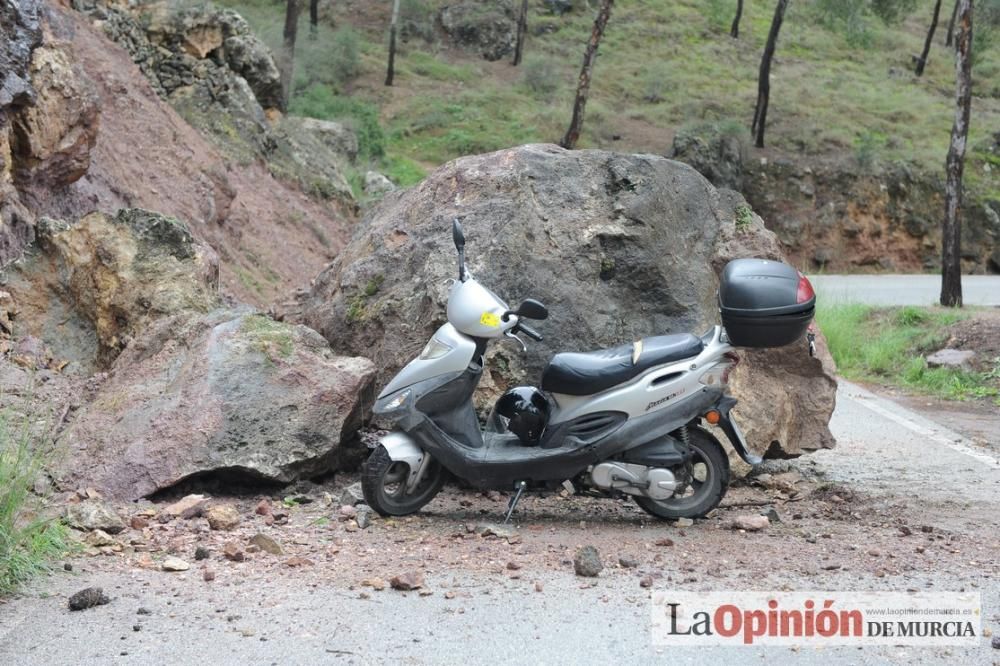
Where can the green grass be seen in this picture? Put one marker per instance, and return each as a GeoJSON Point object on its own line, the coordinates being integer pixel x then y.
{"type": "Point", "coordinates": [888, 345]}
{"type": "Point", "coordinates": [841, 89]}
{"type": "Point", "coordinates": [28, 541]}
{"type": "Point", "coordinates": [268, 336]}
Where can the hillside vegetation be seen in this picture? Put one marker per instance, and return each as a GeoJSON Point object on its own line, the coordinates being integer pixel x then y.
{"type": "Point", "coordinates": [842, 85]}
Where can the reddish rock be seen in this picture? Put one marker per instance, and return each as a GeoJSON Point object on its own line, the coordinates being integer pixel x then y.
{"type": "Point", "coordinates": [234, 552]}
{"type": "Point", "coordinates": [411, 580]}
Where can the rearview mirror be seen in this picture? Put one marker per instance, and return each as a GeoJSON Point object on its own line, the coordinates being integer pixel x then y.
{"type": "Point", "coordinates": [457, 235]}
{"type": "Point", "coordinates": [532, 309]}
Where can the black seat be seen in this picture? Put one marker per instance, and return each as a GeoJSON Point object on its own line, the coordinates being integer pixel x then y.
{"type": "Point", "coordinates": [592, 372]}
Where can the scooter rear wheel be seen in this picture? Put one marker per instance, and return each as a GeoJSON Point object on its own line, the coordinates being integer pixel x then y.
{"type": "Point", "coordinates": [707, 485]}
{"type": "Point", "coordinates": [383, 482]}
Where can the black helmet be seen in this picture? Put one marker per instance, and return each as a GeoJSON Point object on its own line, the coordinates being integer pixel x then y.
{"type": "Point", "coordinates": [526, 410]}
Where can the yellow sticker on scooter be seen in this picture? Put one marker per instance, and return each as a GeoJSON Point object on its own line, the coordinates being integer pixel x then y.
{"type": "Point", "coordinates": [490, 319]}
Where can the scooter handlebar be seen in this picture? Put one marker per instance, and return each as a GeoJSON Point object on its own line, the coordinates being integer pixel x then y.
{"type": "Point", "coordinates": [530, 332]}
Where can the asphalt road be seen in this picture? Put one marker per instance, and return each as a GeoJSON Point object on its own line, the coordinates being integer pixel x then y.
{"type": "Point", "coordinates": [903, 289]}
{"type": "Point", "coordinates": [891, 453]}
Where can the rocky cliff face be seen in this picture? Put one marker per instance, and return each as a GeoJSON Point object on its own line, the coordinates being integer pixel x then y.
{"type": "Point", "coordinates": [618, 246]}
{"type": "Point", "coordinates": [117, 325]}
{"type": "Point", "coordinates": [95, 133]}
{"type": "Point", "coordinates": [843, 218]}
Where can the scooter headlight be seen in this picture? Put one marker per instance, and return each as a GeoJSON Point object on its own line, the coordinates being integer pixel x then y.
{"type": "Point", "coordinates": [434, 349]}
{"type": "Point", "coordinates": [398, 401]}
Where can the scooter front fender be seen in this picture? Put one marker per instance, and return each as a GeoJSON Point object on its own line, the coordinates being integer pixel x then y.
{"type": "Point", "coordinates": [733, 432]}
{"type": "Point", "coordinates": [402, 448]}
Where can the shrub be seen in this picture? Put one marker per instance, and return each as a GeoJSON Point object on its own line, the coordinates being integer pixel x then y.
{"type": "Point", "coordinates": [319, 101]}
{"type": "Point", "coordinates": [867, 147]}
{"type": "Point", "coordinates": [541, 76]}
{"type": "Point", "coordinates": [27, 541]}
{"type": "Point", "coordinates": [345, 54]}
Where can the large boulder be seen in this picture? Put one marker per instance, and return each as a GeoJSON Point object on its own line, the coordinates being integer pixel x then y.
{"type": "Point", "coordinates": [618, 246]}
{"type": "Point", "coordinates": [485, 26]}
{"type": "Point", "coordinates": [104, 279]}
{"type": "Point", "coordinates": [52, 139]}
{"type": "Point", "coordinates": [231, 392]}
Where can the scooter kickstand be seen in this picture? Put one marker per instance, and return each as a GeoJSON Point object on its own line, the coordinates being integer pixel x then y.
{"type": "Point", "coordinates": [512, 504]}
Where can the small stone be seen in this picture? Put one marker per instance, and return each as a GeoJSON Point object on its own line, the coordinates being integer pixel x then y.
{"type": "Point", "coordinates": [926, 529]}
{"type": "Point", "coordinates": [411, 580]}
{"type": "Point", "coordinates": [538, 586]}
{"type": "Point", "coordinates": [67, 566]}
{"type": "Point", "coordinates": [175, 564]}
{"type": "Point", "coordinates": [376, 584]}
{"type": "Point", "coordinates": [223, 517]}
{"type": "Point", "coordinates": [348, 511]}
{"type": "Point", "coordinates": [490, 529]}
{"type": "Point", "coordinates": [233, 552]}
{"type": "Point", "coordinates": [136, 627]}
{"type": "Point", "coordinates": [493, 496]}
{"type": "Point", "coordinates": [88, 598]}
{"type": "Point", "coordinates": [298, 562]}
{"type": "Point", "coordinates": [513, 566]}
{"type": "Point", "coordinates": [905, 531]}
{"type": "Point", "coordinates": [352, 495]}
{"type": "Point", "coordinates": [143, 611]}
{"type": "Point", "coordinates": [138, 522]}
{"type": "Point", "coordinates": [995, 643]}
{"type": "Point", "coordinates": [94, 515]}
{"type": "Point", "coordinates": [587, 562]}
{"type": "Point", "coordinates": [646, 581]}
{"type": "Point", "coordinates": [364, 516]}
{"type": "Point", "coordinates": [99, 538]}
{"type": "Point", "coordinates": [208, 575]}
{"type": "Point", "coordinates": [951, 358]}
{"type": "Point", "coordinates": [263, 508]}
{"type": "Point", "coordinates": [750, 523]}
{"type": "Point", "coordinates": [201, 553]}
{"type": "Point", "coordinates": [364, 595]}
{"type": "Point", "coordinates": [772, 515]}
{"type": "Point", "coordinates": [628, 562]}
{"type": "Point", "coordinates": [665, 541]}
{"type": "Point", "coordinates": [920, 550]}
{"type": "Point", "coordinates": [683, 522]}
{"type": "Point", "coordinates": [190, 506]}
{"type": "Point", "coordinates": [266, 544]}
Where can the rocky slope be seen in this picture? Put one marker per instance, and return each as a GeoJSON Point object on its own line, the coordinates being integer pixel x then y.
{"type": "Point", "coordinates": [618, 246]}
{"type": "Point", "coordinates": [121, 336]}
{"type": "Point", "coordinates": [844, 218]}
{"type": "Point", "coordinates": [99, 136]}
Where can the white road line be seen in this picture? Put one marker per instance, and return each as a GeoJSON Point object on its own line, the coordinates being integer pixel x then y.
{"type": "Point", "coordinates": [893, 412]}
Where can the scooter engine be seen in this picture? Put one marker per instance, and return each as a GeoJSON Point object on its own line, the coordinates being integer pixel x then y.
{"type": "Point", "coordinates": [653, 482]}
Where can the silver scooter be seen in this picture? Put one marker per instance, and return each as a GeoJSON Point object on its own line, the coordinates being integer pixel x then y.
{"type": "Point", "coordinates": [621, 421]}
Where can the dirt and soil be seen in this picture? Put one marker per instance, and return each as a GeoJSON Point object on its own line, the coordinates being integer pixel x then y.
{"type": "Point", "coordinates": [873, 514]}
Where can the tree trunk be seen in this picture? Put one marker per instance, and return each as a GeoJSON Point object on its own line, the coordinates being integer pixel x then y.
{"type": "Point", "coordinates": [922, 61]}
{"type": "Point", "coordinates": [583, 86]}
{"type": "Point", "coordinates": [313, 18]}
{"type": "Point", "coordinates": [951, 25]}
{"type": "Point", "coordinates": [734, 32]}
{"type": "Point", "coordinates": [951, 232]}
{"type": "Point", "coordinates": [390, 71]}
{"type": "Point", "coordinates": [522, 29]}
{"type": "Point", "coordinates": [288, 60]}
{"type": "Point", "coordinates": [764, 77]}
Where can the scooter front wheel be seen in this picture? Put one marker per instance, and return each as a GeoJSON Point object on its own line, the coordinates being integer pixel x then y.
{"type": "Point", "coordinates": [383, 482]}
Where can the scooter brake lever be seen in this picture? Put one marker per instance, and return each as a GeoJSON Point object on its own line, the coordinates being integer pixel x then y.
{"type": "Point", "coordinates": [524, 347]}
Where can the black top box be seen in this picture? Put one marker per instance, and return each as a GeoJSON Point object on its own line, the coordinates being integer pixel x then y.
{"type": "Point", "coordinates": [764, 303]}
